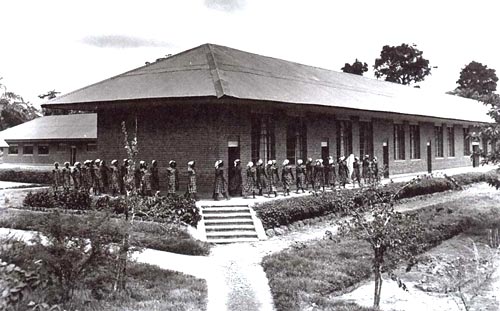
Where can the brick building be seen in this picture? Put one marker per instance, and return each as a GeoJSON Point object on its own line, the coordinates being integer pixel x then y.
{"type": "Point", "coordinates": [214, 102]}
{"type": "Point", "coordinates": [48, 139]}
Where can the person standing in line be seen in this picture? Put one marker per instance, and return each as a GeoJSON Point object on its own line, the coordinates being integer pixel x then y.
{"type": "Point", "coordinates": [122, 180]}
{"type": "Point", "coordinates": [251, 180]}
{"type": "Point", "coordinates": [235, 184]}
{"type": "Point", "coordinates": [104, 177]}
{"type": "Point", "coordinates": [84, 177]}
{"type": "Point", "coordinates": [374, 169]}
{"type": "Point", "coordinates": [286, 177]}
{"type": "Point", "coordinates": [356, 177]}
{"type": "Point", "coordinates": [261, 176]}
{"type": "Point", "coordinates": [220, 181]}
{"type": "Point", "coordinates": [273, 177]}
{"type": "Point", "coordinates": [343, 172]}
{"type": "Point", "coordinates": [309, 173]}
{"type": "Point", "coordinates": [94, 171]}
{"type": "Point", "coordinates": [115, 178]}
{"type": "Point", "coordinates": [191, 187]}
{"type": "Point", "coordinates": [56, 177]}
{"type": "Point", "coordinates": [66, 177]}
{"type": "Point", "coordinates": [365, 165]}
{"type": "Point", "coordinates": [319, 176]}
{"type": "Point", "coordinates": [146, 180]}
{"type": "Point", "coordinates": [300, 173]}
{"type": "Point", "coordinates": [172, 178]}
{"type": "Point", "coordinates": [155, 177]}
{"type": "Point", "coordinates": [332, 172]}
{"type": "Point", "coordinates": [77, 176]}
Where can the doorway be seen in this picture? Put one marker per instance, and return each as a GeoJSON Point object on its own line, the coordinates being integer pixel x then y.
{"type": "Point", "coordinates": [72, 157]}
{"type": "Point", "coordinates": [325, 150]}
{"type": "Point", "coordinates": [429, 157]}
{"type": "Point", "coordinates": [475, 154]}
{"type": "Point", "coordinates": [234, 174]}
{"type": "Point", "coordinates": [385, 159]}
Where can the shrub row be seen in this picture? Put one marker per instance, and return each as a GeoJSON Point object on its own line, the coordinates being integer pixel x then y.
{"type": "Point", "coordinates": [286, 211]}
{"type": "Point", "coordinates": [26, 175]}
{"type": "Point", "coordinates": [159, 209]}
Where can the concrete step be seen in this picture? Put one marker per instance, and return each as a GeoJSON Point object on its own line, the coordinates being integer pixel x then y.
{"type": "Point", "coordinates": [215, 222]}
{"type": "Point", "coordinates": [231, 234]}
{"type": "Point", "coordinates": [226, 209]}
{"type": "Point", "coordinates": [227, 216]}
{"type": "Point", "coordinates": [219, 228]}
{"type": "Point", "coordinates": [227, 241]}
{"type": "Point", "coordinates": [218, 206]}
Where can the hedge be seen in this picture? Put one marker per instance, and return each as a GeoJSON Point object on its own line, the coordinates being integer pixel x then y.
{"type": "Point", "coordinates": [31, 175]}
{"type": "Point", "coordinates": [286, 211]}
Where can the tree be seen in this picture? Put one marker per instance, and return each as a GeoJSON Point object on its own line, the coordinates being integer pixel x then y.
{"type": "Point", "coordinates": [357, 68]}
{"type": "Point", "coordinates": [14, 110]}
{"type": "Point", "coordinates": [386, 230]}
{"type": "Point", "coordinates": [476, 78]}
{"type": "Point", "coordinates": [402, 64]}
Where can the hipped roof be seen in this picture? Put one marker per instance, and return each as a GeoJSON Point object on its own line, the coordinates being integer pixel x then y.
{"type": "Point", "coordinates": [57, 127]}
{"type": "Point", "coordinates": [217, 71]}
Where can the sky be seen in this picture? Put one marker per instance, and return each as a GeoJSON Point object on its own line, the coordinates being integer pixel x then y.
{"type": "Point", "coordinates": [65, 45]}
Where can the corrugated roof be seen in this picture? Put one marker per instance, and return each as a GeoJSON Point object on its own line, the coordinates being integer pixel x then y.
{"type": "Point", "coordinates": [216, 71]}
{"type": "Point", "coordinates": [58, 127]}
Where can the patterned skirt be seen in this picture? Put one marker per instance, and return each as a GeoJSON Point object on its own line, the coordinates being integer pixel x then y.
{"type": "Point", "coordinates": [192, 184]}
{"type": "Point", "coordinates": [220, 186]}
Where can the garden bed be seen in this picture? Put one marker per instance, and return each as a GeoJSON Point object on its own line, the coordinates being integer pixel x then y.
{"type": "Point", "coordinates": [306, 274]}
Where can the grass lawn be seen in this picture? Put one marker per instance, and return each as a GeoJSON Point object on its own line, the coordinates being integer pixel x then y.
{"type": "Point", "coordinates": [303, 276]}
{"type": "Point", "coordinates": [163, 237]}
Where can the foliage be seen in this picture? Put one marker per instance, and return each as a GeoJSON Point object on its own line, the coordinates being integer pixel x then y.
{"type": "Point", "coordinates": [73, 200]}
{"type": "Point", "coordinates": [403, 64]}
{"type": "Point", "coordinates": [14, 110]}
{"type": "Point", "coordinates": [357, 68]}
{"type": "Point", "coordinates": [476, 79]}
{"type": "Point", "coordinates": [286, 211]}
{"type": "Point", "coordinates": [26, 175]}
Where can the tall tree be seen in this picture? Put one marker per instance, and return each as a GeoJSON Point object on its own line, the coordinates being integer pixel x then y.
{"type": "Point", "coordinates": [476, 79]}
{"type": "Point", "coordinates": [402, 64]}
{"type": "Point", "coordinates": [14, 110]}
{"type": "Point", "coordinates": [357, 68]}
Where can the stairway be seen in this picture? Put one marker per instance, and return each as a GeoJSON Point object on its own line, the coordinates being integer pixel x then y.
{"type": "Point", "coordinates": [228, 224]}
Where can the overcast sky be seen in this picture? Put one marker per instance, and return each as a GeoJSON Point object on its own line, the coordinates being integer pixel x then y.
{"type": "Point", "coordinates": [65, 45]}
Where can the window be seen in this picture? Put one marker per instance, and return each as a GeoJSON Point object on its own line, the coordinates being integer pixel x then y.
{"type": "Point", "coordinates": [438, 141]}
{"type": "Point", "coordinates": [414, 142]}
{"type": "Point", "coordinates": [365, 139]}
{"type": "Point", "coordinates": [263, 140]}
{"type": "Point", "coordinates": [466, 142]}
{"type": "Point", "coordinates": [451, 141]}
{"type": "Point", "coordinates": [28, 150]}
{"type": "Point", "coordinates": [13, 150]}
{"type": "Point", "coordinates": [344, 138]}
{"type": "Point", "coordinates": [399, 142]}
{"type": "Point", "coordinates": [91, 147]}
{"type": "Point", "coordinates": [43, 149]}
{"type": "Point", "coordinates": [296, 140]}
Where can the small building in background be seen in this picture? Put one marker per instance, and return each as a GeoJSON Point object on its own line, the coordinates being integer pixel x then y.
{"type": "Point", "coordinates": [50, 139]}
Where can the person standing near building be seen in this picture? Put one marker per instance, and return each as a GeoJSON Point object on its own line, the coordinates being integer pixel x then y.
{"type": "Point", "coordinates": [56, 177]}
{"type": "Point", "coordinates": [66, 177]}
{"type": "Point", "coordinates": [220, 181]}
{"type": "Point", "coordinates": [172, 178]}
{"type": "Point", "coordinates": [155, 176]}
{"type": "Point", "coordinates": [94, 171]}
{"type": "Point", "coordinates": [235, 184]}
{"type": "Point", "coordinates": [356, 177]}
{"type": "Point", "coordinates": [374, 170]}
{"type": "Point", "coordinates": [309, 173]}
{"type": "Point", "coordinates": [250, 181]}
{"type": "Point", "coordinates": [365, 165]}
{"type": "Point", "coordinates": [286, 177]}
{"type": "Point", "coordinates": [261, 176]}
{"type": "Point", "coordinates": [319, 177]}
{"type": "Point", "coordinates": [146, 180]}
{"type": "Point", "coordinates": [191, 187]}
{"type": "Point", "coordinates": [273, 177]}
{"type": "Point", "coordinates": [85, 177]}
{"type": "Point", "coordinates": [77, 176]}
{"type": "Point", "coordinates": [104, 177]}
{"type": "Point", "coordinates": [332, 172]}
{"type": "Point", "coordinates": [115, 177]}
{"type": "Point", "coordinates": [343, 172]}
{"type": "Point", "coordinates": [300, 172]}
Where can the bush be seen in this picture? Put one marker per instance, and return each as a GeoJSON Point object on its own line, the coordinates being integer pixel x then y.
{"type": "Point", "coordinates": [71, 200]}
{"type": "Point", "coordinates": [286, 211]}
{"type": "Point", "coordinates": [27, 175]}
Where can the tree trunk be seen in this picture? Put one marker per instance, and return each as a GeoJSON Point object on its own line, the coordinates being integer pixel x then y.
{"type": "Point", "coordinates": [378, 279]}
